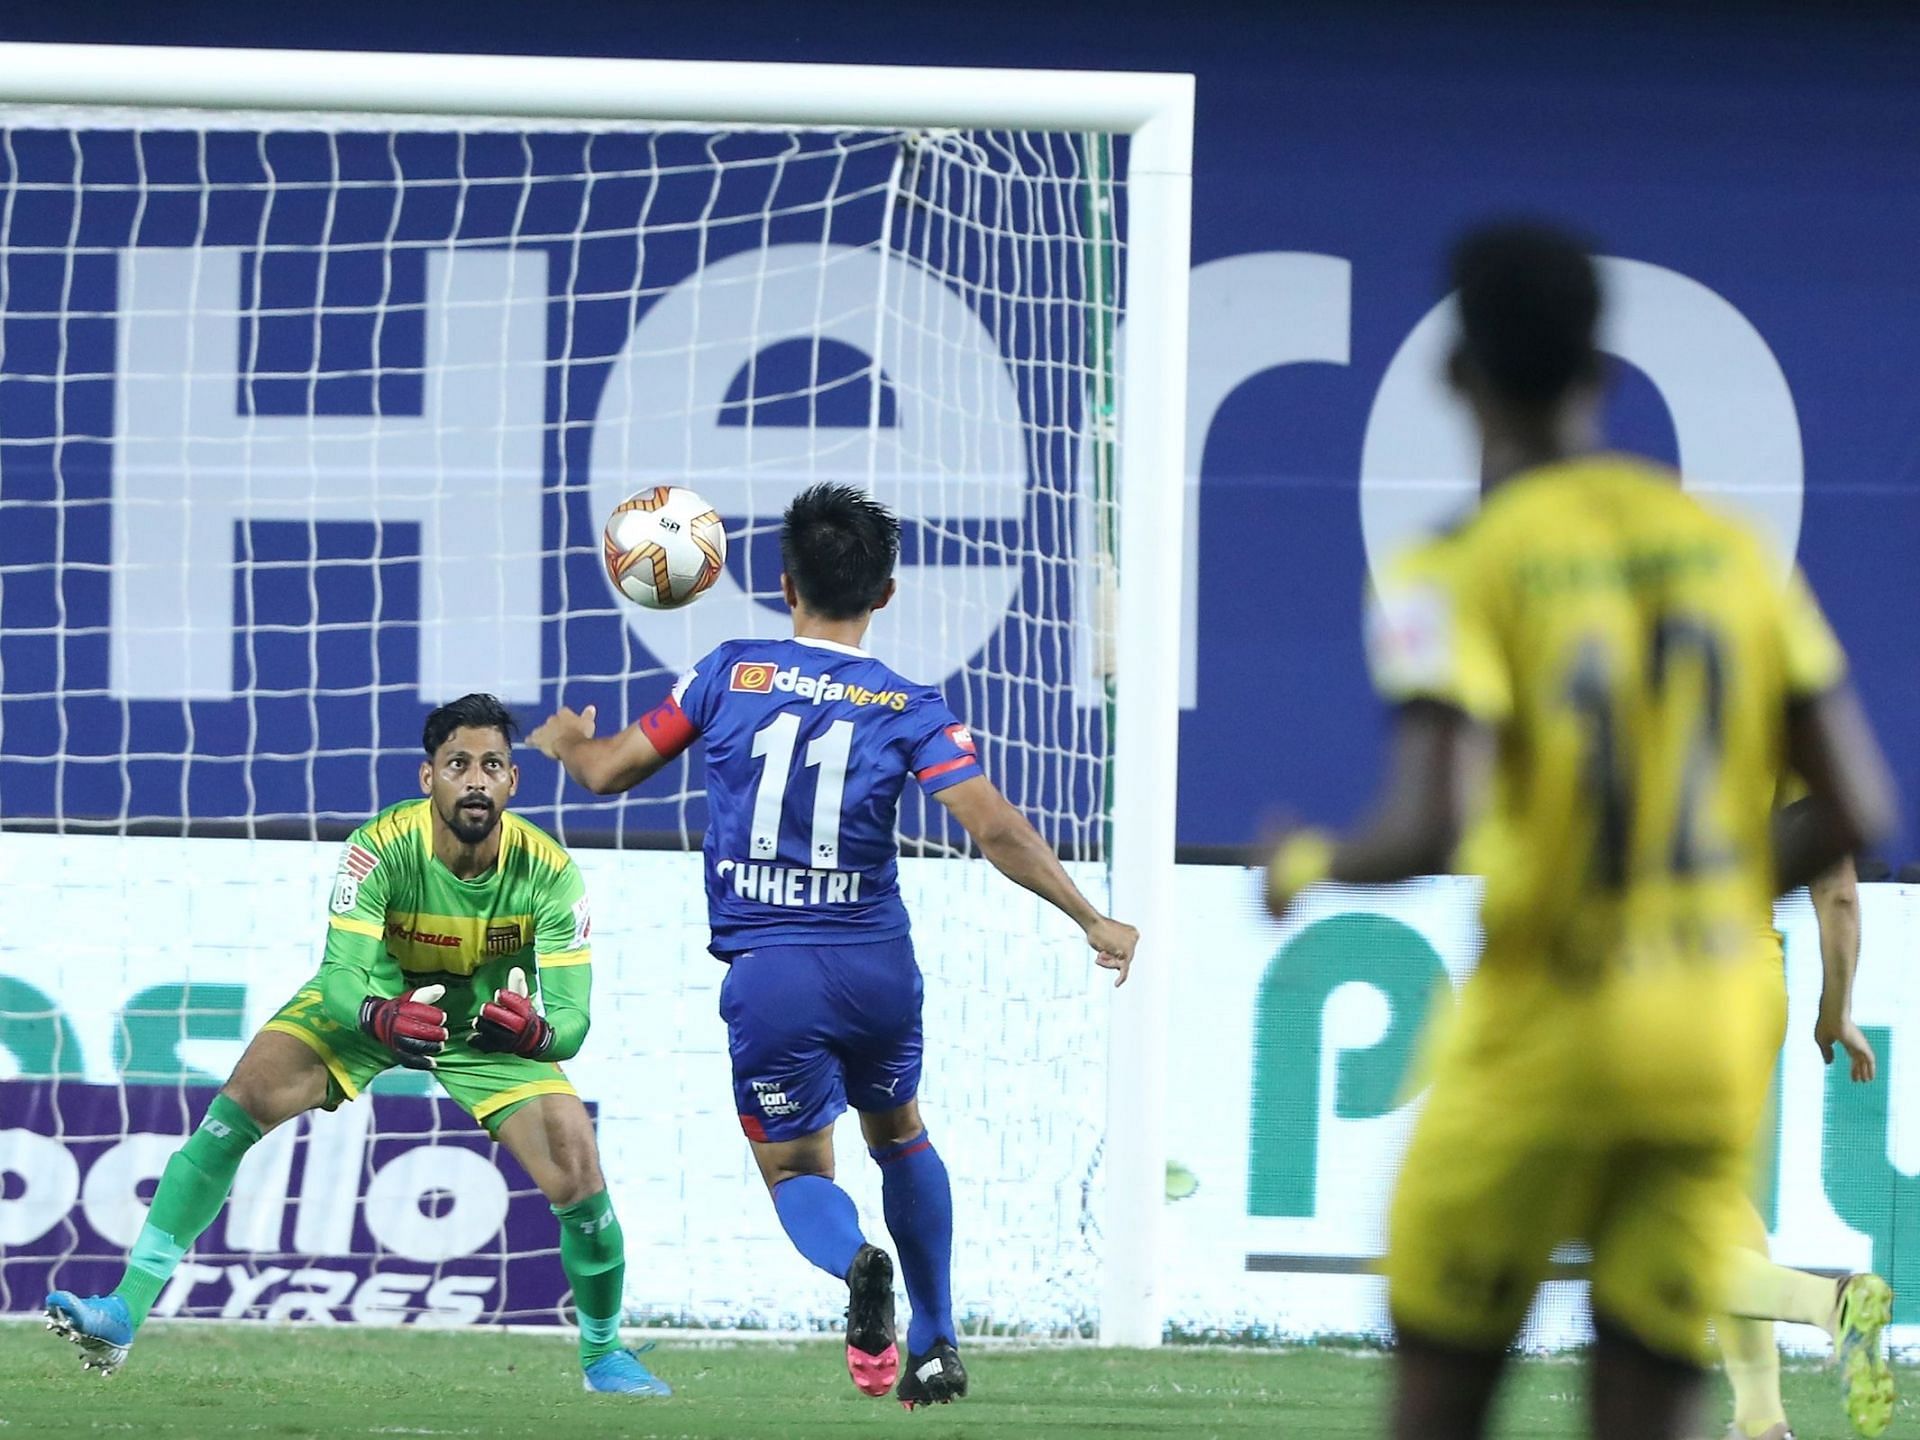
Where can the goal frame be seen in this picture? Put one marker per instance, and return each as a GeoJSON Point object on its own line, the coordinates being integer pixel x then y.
{"type": "Point", "coordinates": [1156, 112]}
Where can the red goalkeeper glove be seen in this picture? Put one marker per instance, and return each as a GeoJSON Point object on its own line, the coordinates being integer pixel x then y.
{"type": "Point", "coordinates": [508, 1023]}
{"type": "Point", "coordinates": [410, 1024]}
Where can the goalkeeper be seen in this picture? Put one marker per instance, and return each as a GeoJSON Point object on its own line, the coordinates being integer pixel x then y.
{"type": "Point", "coordinates": [442, 910]}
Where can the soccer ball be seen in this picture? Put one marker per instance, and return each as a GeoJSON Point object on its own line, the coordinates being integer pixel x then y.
{"type": "Point", "coordinates": [664, 547]}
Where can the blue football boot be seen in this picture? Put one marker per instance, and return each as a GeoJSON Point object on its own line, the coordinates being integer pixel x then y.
{"type": "Point", "coordinates": [621, 1373]}
{"type": "Point", "coordinates": [99, 1325]}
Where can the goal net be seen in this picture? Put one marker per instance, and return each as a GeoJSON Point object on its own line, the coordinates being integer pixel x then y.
{"type": "Point", "coordinates": [308, 423]}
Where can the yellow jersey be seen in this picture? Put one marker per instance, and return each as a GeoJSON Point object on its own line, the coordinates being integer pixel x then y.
{"type": "Point", "coordinates": [1634, 652]}
{"type": "Point", "coordinates": [1790, 789]}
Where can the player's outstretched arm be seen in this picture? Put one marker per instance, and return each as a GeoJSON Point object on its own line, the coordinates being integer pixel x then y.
{"type": "Point", "coordinates": [1849, 806]}
{"type": "Point", "coordinates": [1018, 852]}
{"type": "Point", "coordinates": [605, 765]}
{"type": "Point", "coordinates": [1439, 760]}
{"type": "Point", "coordinates": [1836, 908]}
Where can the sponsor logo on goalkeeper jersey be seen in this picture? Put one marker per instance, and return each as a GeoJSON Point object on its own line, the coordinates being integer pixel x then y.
{"type": "Point", "coordinates": [791, 886]}
{"type": "Point", "coordinates": [452, 947]}
{"type": "Point", "coordinates": [961, 736]}
{"type": "Point", "coordinates": [758, 678]}
{"type": "Point", "coordinates": [356, 864]}
{"type": "Point", "coordinates": [397, 931]}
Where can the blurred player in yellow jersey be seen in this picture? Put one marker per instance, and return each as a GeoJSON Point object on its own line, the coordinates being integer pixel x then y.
{"type": "Point", "coordinates": [1597, 681]}
{"type": "Point", "coordinates": [1856, 1308]}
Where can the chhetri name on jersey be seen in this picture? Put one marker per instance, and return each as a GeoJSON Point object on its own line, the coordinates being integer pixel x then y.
{"type": "Point", "coordinates": [756, 677]}
{"type": "Point", "coordinates": [791, 885]}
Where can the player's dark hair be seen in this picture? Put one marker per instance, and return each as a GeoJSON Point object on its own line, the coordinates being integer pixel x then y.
{"type": "Point", "coordinates": [482, 712]}
{"type": "Point", "coordinates": [1529, 299]}
{"type": "Point", "coordinates": [839, 545]}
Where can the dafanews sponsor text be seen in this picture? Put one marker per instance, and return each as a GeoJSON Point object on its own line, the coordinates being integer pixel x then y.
{"type": "Point", "coordinates": [756, 677]}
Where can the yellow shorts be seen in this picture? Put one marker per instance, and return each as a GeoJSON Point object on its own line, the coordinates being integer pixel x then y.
{"type": "Point", "coordinates": [1543, 1131]}
{"type": "Point", "coordinates": [488, 1087]}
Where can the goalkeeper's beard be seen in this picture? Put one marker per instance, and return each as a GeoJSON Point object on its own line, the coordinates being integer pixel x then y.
{"type": "Point", "coordinates": [470, 823]}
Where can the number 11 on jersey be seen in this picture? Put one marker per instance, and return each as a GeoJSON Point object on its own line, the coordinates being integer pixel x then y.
{"type": "Point", "coordinates": [828, 753]}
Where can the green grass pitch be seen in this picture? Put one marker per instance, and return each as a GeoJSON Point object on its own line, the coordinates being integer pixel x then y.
{"type": "Point", "coordinates": [205, 1382]}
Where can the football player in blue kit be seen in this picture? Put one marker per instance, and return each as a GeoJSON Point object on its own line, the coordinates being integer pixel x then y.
{"type": "Point", "coordinates": [809, 743]}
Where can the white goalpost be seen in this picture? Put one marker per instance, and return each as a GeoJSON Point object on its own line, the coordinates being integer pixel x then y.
{"type": "Point", "coordinates": [317, 372]}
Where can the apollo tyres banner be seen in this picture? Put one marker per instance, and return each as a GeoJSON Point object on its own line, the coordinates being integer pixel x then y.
{"type": "Point", "coordinates": [390, 1211]}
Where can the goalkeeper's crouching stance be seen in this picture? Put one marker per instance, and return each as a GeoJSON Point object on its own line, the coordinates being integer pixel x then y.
{"type": "Point", "coordinates": [442, 909]}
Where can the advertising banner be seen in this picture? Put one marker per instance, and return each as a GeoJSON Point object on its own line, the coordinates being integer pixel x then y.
{"type": "Point", "coordinates": [1291, 1051]}
{"type": "Point", "coordinates": [134, 972]}
{"type": "Point", "coordinates": [480, 311]}
{"type": "Point", "coordinates": [390, 1210]}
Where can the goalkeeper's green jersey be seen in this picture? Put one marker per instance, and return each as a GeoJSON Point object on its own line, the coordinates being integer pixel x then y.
{"type": "Point", "coordinates": [400, 920]}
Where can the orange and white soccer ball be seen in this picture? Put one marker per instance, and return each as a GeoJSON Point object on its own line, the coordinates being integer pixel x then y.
{"type": "Point", "coordinates": [664, 547]}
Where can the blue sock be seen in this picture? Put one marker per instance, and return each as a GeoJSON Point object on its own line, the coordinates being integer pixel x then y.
{"type": "Point", "coordinates": [819, 1218]}
{"type": "Point", "coordinates": [919, 1206]}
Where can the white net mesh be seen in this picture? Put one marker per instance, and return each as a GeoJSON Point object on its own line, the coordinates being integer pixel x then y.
{"type": "Point", "coordinates": [307, 425]}
{"type": "Point", "coordinates": [308, 430]}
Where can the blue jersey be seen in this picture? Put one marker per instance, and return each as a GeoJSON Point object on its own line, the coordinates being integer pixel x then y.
{"type": "Point", "coordinates": [809, 744]}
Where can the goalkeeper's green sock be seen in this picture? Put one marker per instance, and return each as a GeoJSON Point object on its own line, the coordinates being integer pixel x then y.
{"type": "Point", "coordinates": [594, 1254]}
{"type": "Point", "coordinates": [192, 1189]}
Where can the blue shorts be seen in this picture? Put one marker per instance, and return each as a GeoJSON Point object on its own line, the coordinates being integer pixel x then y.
{"type": "Point", "coordinates": [812, 1028]}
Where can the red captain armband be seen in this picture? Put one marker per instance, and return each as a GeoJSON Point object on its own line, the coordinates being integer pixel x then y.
{"type": "Point", "coordinates": [668, 727]}
{"type": "Point", "coordinates": [945, 767]}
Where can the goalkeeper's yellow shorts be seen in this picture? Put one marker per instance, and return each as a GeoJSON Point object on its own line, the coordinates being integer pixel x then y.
{"type": "Point", "coordinates": [488, 1087]}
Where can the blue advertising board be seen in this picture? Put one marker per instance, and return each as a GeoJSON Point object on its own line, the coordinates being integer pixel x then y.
{"type": "Point", "coordinates": [1744, 169]}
